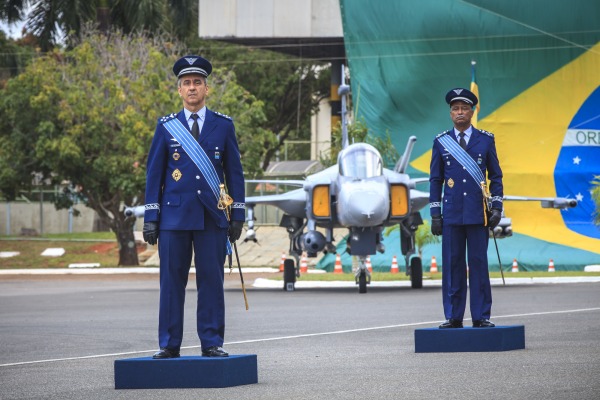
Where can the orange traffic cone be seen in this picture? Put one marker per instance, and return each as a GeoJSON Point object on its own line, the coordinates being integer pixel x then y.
{"type": "Point", "coordinates": [515, 267]}
{"type": "Point", "coordinates": [303, 264]}
{"type": "Point", "coordinates": [337, 269]}
{"type": "Point", "coordinates": [433, 269]}
{"type": "Point", "coordinates": [551, 266]}
{"type": "Point", "coordinates": [394, 268]}
{"type": "Point", "coordinates": [369, 266]}
{"type": "Point", "coordinates": [282, 261]}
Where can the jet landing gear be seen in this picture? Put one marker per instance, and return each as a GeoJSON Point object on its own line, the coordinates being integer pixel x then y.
{"type": "Point", "coordinates": [289, 275]}
{"type": "Point", "coordinates": [414, 265]}
{"type": "Point", "coordinates": [362, 275]}
{"type": "Point", "coordinates": [416, 273]}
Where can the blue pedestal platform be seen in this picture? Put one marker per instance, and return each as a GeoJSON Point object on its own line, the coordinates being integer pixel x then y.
{"type": "Point", "coordinates": [186, 372]}
{"type": "Point", "coordinates": [499, 338]}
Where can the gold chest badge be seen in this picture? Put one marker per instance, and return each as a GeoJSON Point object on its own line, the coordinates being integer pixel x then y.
{"type": "Point", "coordinates": [451, 183]}
{"type": "Point", "coordinates": [176, 156]}
{"type": "Point", "coordinates": [176, 175]}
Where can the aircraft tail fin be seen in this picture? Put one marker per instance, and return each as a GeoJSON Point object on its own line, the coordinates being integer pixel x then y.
{"type": "Point", "coordinates": [343, 92]}
{"type": "Point", "coordinates": [402, 163]}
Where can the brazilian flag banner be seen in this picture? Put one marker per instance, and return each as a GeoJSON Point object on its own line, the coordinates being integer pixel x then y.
{"type": "Point", "coordinates": [537, 66]}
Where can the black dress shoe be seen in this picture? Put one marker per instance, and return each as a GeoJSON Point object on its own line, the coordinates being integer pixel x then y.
{"type": "Point", "coordinates": [166, 353]}
{"type": "Point", "coordinates": [451, 323]}
{"type": "Point", "coordinates": [214, 351]}
{"type": "Point", "coordinates": [483, 323]}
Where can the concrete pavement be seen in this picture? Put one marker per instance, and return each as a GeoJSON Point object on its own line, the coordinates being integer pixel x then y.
{"type": "Point", "coordinates": [60, 335]}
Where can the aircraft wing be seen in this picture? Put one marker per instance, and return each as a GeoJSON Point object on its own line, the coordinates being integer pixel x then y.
{"type": "Point", "coordinates": [547, 202]}
{"type": "Point", "coordinates": [292, 202]}
{"type": "Point", "coordinates": [291, 182]}
{"type": "Point", "coordinates": [418, 199]}
{"type": "Point", "coordinates": [419, 180]}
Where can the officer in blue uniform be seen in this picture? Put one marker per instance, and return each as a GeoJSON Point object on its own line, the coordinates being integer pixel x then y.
{"type": "Point", "coordinates": [462, 159]}
{"type": "Point", "coordinates": [192, 152]}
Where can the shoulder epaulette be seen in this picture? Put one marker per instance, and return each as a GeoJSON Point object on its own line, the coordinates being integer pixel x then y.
{"type": "Point", "coordinates": [442, 134]}
{"type": "Point", "coordinates": [166, 118]}
{"type": "Point", "coordinates": [490, 134]}
{"type": "Point", "coordinates": [223, 116]}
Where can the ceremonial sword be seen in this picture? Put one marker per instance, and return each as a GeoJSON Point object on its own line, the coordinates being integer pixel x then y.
{"type": "Point", "coordinates": [498, 253]}
{"type": "Point", "coordinates": [224, 202]}
{"type": "Point", "coordinates": [486, 207]}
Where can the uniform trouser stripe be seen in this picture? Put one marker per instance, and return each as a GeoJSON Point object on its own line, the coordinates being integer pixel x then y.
{"type": "Point", "coordinates": [456, 240]}
{"type": "Point", "coordinates": [175, 251]}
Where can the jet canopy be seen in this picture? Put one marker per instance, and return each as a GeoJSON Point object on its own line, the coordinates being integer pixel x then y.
{"type": "Point", "coordinates": [360, 160]}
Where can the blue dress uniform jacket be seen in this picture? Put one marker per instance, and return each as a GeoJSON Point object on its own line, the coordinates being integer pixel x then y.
{"type": "Point", "coordinates": [463, 200]}
{"type": "Point", "coordinates": [176, 192]}
{"type": "Point", "coordinates": [462, 210]}
{"type": "Point", "coordinates": [180, 199]}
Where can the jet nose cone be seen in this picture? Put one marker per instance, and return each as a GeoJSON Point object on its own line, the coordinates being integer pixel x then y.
{"type": "Point", "coordinates": [364, 203]}
{"type": "Point", "coordinates": [368, 208]}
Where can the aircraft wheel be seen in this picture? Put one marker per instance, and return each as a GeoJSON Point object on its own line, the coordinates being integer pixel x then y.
{"type": "Point", "coordinates": [362, 282]}
{"type": "Point", "coordinates": [289, 275]}
{"type": "Point", "coordinates": [416, 273]}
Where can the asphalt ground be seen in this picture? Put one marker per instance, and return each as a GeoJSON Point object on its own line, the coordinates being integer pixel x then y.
{"type": "Point", "coordinates": [60, 336]}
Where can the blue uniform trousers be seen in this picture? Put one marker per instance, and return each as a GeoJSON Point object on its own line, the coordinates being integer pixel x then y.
{"type": "Point", "coordinates": [175, 250]}
{"type": "Point", "coordinates": [457, 240]}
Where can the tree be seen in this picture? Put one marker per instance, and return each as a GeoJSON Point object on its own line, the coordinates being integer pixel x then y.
{"type": "Point", "coordinates": [14, 56]}
{"type": "Point", "coordinates": [423, 236]}
{"type": "Point", "coordinates": [87, 116]}
{"type": "Point", "coordinates": [290, 88]}
{"type": "Point", "coordinates": [358, 132]}
{"type": "Point", "coordinates": [48, 20]}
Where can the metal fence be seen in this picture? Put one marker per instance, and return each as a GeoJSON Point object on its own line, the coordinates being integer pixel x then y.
{"type": "Point", "coordinates": [35, 213]}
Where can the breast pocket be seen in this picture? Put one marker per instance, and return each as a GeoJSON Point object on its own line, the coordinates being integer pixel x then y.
{"type": "Point", "coordinates": [481, 161]}
{"type": "Point", "coordinates": [177, 154]}
{"type": "Point", "coordinates": [449, 161]}
{"type": "Point", "coordinates": [215, 152]}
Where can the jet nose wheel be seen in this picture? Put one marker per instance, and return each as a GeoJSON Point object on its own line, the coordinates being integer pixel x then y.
{"type": "Point", "coordinates": [362, 282]}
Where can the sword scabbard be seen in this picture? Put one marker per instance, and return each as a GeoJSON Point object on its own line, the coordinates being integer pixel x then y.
{"type": "Point", "coordinates": [225, 202]}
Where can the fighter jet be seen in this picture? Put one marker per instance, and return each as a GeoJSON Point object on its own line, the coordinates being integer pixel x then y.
{"type": "Point", "coordinates": [357, 193]}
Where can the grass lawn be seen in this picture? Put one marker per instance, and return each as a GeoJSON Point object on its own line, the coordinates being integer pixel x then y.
{"type": "Point", "coordinates": [96, 247]}
{"type": "Point", "coordinates": [102, 247]}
